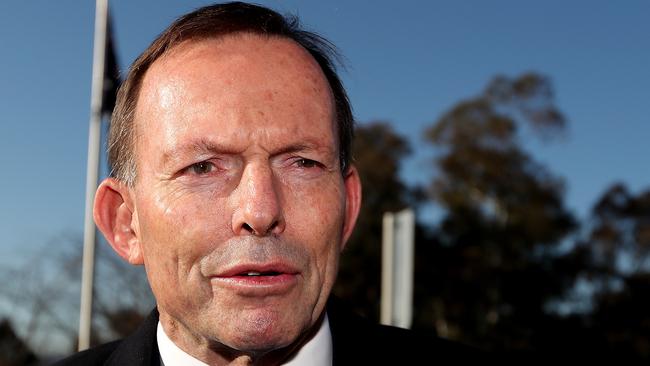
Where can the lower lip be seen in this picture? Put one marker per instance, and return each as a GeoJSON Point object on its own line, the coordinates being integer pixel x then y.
{"type": "Point", "coordinates": [257, 285]}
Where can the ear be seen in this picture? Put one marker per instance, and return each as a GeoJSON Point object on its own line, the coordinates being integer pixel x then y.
{"type": "Point", "coordinates": [115, 217]}
{"type": "Point", "coordinates": [352, 202]}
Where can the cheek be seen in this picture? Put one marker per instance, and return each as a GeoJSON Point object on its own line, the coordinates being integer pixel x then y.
{"type": "Point", "coordinates": [183, 215]}
{"type": "Point", "coordinates": [176, 232]}
{"type": "Point", "coordinates": [315, 217]}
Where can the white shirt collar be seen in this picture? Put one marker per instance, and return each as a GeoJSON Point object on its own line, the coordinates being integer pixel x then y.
{"type": "Point", "coordinates": [316, 352]}
{"type": "Point", "coordinates": [171, 354]}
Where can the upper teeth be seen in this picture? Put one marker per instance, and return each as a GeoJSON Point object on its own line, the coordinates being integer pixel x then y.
{"type": "Point", "coordinates": [253, 273]}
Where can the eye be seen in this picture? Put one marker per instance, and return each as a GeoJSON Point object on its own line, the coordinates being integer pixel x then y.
{"type": "Point", "coordinates": [201, 168]}
{"type": "Point", "coordinates": [307, 163]}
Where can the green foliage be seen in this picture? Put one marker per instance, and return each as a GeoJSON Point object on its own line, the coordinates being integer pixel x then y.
{"type": "Point", "coordinates": [614, 259]}
{"type": "Point", "coordinates": [620, 228]}
{"type": "Point", "coordinates": [504, 211]}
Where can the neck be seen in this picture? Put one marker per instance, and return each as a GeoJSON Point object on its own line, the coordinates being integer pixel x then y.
{"type": "Point", "coordinates": [215, 353]}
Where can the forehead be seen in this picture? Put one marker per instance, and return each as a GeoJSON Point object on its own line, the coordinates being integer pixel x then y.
{"type": "Point", "coordinates": [239, 48]}
{"type": "Point", "coordinates": [240, 78]}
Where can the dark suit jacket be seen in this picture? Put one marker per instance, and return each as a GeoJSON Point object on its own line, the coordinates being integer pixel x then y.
{"type": "Point", "coordinates": [355, 341]}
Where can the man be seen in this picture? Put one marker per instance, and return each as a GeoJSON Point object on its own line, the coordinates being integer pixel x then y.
{"type": "Point", "coordinates": [232, 185]}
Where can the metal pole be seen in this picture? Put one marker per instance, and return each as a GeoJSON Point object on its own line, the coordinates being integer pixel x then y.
{"type": "Point", "coordinates": [92, 173]}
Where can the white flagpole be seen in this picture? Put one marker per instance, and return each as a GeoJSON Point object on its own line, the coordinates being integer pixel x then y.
{"type": "Point", "coordinates": [92, 173]}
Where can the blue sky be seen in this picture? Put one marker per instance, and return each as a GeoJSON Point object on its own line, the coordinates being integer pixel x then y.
{"type": "Point", "coordinates": [408, 62]}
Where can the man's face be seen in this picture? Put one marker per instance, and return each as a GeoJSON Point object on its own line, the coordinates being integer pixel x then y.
{"type": "Point", "coordinates": [240, 205]}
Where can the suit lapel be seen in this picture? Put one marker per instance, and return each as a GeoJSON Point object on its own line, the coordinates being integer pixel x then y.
{"type": "Point", "coordinates": [349, 335]}
{"type": "Point", "coordinates": [140, 348]}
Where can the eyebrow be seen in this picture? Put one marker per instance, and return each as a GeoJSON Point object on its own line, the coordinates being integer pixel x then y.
{"type": "Point", "coordinates": [200, 146]}
{"type": "Point", "coordinates": [203, 146]}
{"type": "Point", "coordinates": [301, 146]}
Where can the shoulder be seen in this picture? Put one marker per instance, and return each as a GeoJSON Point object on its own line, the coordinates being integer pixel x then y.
{"type": "Point", "coordinates": [93, 356]}
{"type": "Point", "coordinates": [358, 340]}
{"type": "Point", "coordinates": [138, 349]}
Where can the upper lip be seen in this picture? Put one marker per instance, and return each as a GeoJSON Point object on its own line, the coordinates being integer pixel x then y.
{"type": "Point", "coordinates": [241, 269]}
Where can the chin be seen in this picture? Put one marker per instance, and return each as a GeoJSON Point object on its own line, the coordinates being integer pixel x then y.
{"type": "Point", "coordinates": [266, 331]}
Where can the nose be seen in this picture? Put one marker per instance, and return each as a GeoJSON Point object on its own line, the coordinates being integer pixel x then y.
{"type": "Point", "coordinates": [258, 208]}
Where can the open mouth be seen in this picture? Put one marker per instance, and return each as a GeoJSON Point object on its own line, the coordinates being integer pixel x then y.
{"type": "Point", "coordinates": [256, 274]}
{"type": "Point", "coordinates": [258, 280]}
{"type": "Point", "coordinates": [258, 270]}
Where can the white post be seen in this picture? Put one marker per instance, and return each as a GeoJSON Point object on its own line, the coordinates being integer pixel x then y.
{"type": "Point", "coordinates": [92, 173]}
{"type": "Point", "coordinates": [403, 293]}
{"type": "Point", "coordinates": [397, 269]}
{"type": "Point", "coordinates": [387, 253]}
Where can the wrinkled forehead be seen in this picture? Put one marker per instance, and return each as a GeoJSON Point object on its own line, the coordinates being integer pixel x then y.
{"type": "Point", "coordinates": [274, 75]}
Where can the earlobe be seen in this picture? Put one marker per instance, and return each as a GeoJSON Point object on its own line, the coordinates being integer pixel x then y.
{"type": "Point", "coordinates": [352, 202]}
{"type": "Point", "coordinates": [115, 217]}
